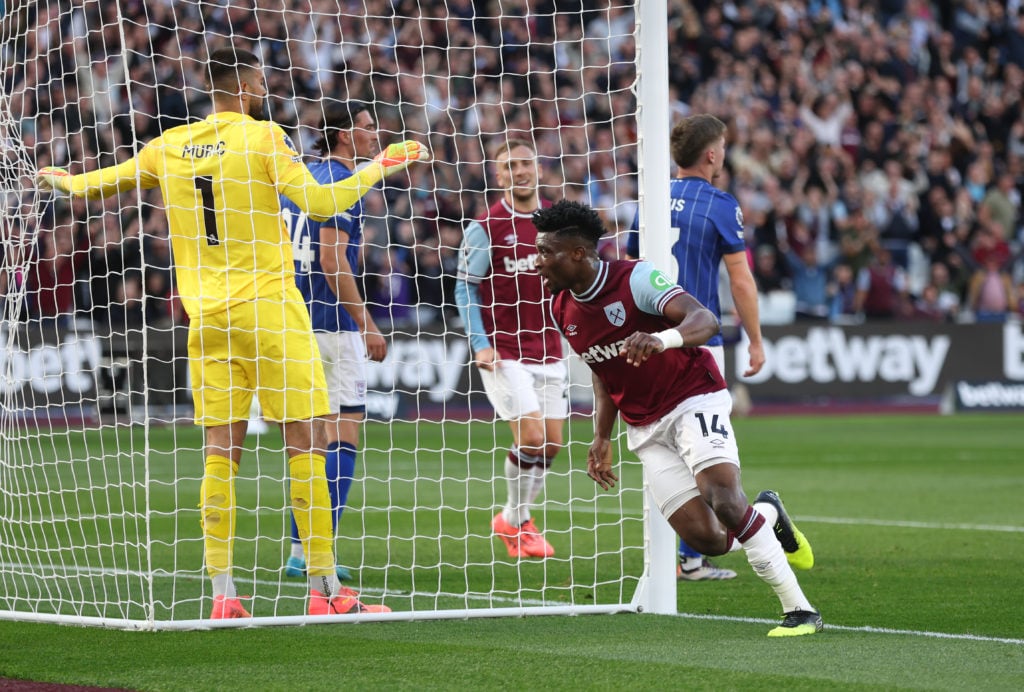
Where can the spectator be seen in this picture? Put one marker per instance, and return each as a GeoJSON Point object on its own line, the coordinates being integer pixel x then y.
{"type": "Point", "coordinates": [810, 282]}
{"type": "Point", "coordinates": [842, 295]}
{"type": "Point", "coordinates": [825, 115]}
{"type": "Point", "coordinates": [815, 227]}
{"type": "Point", "coordinates": [1001, 205]}
{"type": "Point", "coordinates": [947, 296]}
{"type": "Point", "coordinates": [991, 294]}
{"type": "Point", "coordinates": [895, 211]}
{"type": "Point", "coordinates": [928, 306]}
{"type": "Point", "coordinates": [59, 254]}
{"type": "Point", "coordinates": [125, 311]}
{"type": "Point", "coordinates": [767, 272]}
{"type": "Point", "coordinates": [881, 288]}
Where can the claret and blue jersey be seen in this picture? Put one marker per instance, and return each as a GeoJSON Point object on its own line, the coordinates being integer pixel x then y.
{"type": "Point", "coordinates": [707, 223]}
{"type": "Point", "coordinates": [326, 312]}
{"type": "Point", "coordinates": [628, 297]}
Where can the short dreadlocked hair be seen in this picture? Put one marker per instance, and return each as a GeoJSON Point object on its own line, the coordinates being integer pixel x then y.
{"type": "Point", "coordinates": [568, 218]}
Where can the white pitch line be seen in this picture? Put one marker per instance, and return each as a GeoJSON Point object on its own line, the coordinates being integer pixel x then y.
{"type": "Point", "coordinates": [865, 628]}
{"type": "Point", "coordinates": [896, 523]}
{"type": "Point", "coordinates": [580, 508]}
{"type": "Point", "coordinates": [636, 514]}
{"type": "Point", "coordinates": [491, 600]}
{"type": "Point", "coordinates": [911, 524]}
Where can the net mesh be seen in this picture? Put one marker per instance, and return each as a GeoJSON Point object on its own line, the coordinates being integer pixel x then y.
{"type": "Point", "coordinates": [101, 465]}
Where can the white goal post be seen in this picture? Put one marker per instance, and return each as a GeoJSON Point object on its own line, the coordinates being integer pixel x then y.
{"type": "Point", "coordinates": [100, 461]}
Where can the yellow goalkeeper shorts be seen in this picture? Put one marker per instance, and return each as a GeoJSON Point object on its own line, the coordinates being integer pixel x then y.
{"type": "Point", "coordinates": [264, 347]}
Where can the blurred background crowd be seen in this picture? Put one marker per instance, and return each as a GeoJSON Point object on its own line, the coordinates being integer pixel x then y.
{"type": "Point", "coordinates": [876, 147]}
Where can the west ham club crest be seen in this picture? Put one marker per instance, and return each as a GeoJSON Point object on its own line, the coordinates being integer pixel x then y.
{"type": "Point", "coordinates": [616, 313]}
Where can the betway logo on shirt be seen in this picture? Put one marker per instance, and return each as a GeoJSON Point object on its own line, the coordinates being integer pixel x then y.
{"type": "Point", "coordinates": [598, 353]}
{"type": "Point", "coordinates": [523, 264]}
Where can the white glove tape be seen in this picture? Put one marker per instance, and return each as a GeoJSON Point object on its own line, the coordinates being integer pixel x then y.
{"type": "Point", "coordinates": [670, 338]}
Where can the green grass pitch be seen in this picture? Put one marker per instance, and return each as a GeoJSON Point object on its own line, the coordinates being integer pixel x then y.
{"type": "Point", "coordinates": [916, 521]}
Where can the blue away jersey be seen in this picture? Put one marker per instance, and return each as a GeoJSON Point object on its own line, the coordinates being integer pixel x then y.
{"type": "Point", "coordinates": [707, 223]}
{"type": "Point", "coordinates": [326, 313]}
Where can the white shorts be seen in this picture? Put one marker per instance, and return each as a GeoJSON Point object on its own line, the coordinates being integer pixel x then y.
{"type": "Point", "coordinates": [516, 389]}
{"type": "Point", "coordinates": [695, 435]}
{"type": "Point", "coordinates": [344, 359]}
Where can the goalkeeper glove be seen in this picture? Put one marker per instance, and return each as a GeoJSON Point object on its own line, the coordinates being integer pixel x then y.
{"type": "Point", "coordinates": [396, 157]}
{"type": "Point", "coordinates": [52, 178]}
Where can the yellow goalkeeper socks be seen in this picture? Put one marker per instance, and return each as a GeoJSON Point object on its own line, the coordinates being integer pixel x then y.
{"type": "Point", "coordinates": [217, 504]}
{"type": "Point", "coordinates": [311, 506]}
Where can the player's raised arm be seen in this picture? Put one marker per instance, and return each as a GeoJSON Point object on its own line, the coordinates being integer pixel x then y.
{"type": "Point", "coordinates": [324, 201]}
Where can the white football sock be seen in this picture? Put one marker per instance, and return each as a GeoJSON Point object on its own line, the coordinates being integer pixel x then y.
{"type": "Point", "coordinates": [768, 511]}
{"type": "Point", "coordinates": [691, 563]}
{"type": "Point", "coordinates": [765, 555]}
{"type": "Point", "coordinates": [519, 483]}
{"type": "Point", "coordinates": [224, 585]}
{"type": "Point", "coordinates": [297, 551]}
{"type": "Point", "coordinates": [327, 585]}
{"type": "Point", "coordinates": [540, 473]}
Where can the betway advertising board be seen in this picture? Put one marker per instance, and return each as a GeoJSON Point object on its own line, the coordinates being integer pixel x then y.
{"type": "Point", "coordinates": [428, 376]}
{"type": "Point", "coordinates": [879, 360]}
{"type": "Point", "coordinates": [47, 367]}
{"type": "Point", "coordinates": [424, 375]}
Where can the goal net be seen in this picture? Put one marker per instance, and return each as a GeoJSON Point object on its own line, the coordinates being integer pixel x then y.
{"type": "Point", "coordinates": [100, 461]}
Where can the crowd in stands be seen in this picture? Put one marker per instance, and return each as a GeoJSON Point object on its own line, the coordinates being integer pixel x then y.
{"type": "Point", "coordinates": [876, 147]}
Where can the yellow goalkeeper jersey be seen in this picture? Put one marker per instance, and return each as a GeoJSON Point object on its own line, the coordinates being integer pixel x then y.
{"type": "Point", "coordinates": [221, 179]}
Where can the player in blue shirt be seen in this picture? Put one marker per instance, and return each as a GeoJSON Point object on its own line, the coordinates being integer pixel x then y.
{"type": "Point", "coordinates": [326, 263]}
{"type": "Point", "coordinates": [708, 226]}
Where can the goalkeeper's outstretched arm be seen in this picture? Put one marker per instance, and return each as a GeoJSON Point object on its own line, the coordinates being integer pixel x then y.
{"type": "Point", "coordinates": [101, 182]}
{"type": "Point", "coordinates": [324, 201]}
{"type": "Point", "coordinates": [318, 200]}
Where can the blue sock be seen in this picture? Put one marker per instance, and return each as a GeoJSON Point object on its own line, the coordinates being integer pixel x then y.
{"type": "Point", "coordinates": [341, 467]}
{"type": "Point", "coordinates": [686, 551]}
{"type": "Point", "coordinates": [295, 530]}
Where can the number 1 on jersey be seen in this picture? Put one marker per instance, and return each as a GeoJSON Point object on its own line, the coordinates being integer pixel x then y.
{"type": "Point", "coordinates": [204, 184]}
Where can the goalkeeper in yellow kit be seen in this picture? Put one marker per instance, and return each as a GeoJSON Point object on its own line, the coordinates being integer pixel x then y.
{"type": "Point", "coordinates": [250, 332]}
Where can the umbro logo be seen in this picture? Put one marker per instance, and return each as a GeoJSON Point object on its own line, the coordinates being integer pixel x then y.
{"type": "Point", "coordinates": [570, 330]}
{"type": "Point", "coordinates": [510, 239]}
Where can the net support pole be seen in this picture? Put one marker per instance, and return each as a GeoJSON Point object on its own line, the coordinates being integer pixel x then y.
{"type": "Point", "coordinates": [658, 590]}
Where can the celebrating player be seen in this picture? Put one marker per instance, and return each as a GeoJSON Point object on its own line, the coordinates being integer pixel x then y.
{"type": "Point", "coordinates": [326, 265]}
{"type": "Point", "coordinates": [517, 349]}
{"type": "Point", "coordinates": [249, 330]}
{"type": "Point", "coordinates": [710, 227]}
{"type": "Point", "coordinates": [639, 333]}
